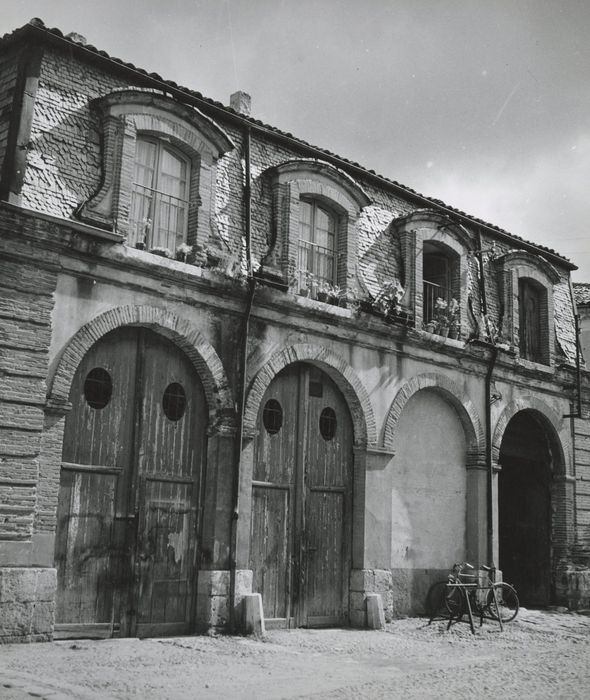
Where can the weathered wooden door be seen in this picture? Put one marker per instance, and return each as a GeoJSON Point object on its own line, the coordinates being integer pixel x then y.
{"type": "Point", "coordinates": [130, 480]}
{"type": "Point", "coordinates": [301, 500]}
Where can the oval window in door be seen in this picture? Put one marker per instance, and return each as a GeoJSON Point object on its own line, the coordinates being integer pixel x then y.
{"type": "Point", "coordinates": [328, 423]}
{"type": "Point", "coordinates": [272, 416]}
{"type": "Point", "coordinates": [98, 388]}
{"type": "Point", "coordinates": [174, 401]}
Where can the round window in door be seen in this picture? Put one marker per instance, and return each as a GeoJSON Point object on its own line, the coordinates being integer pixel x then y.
{"type": "Point", "coordinates": [174, 401]}
{"type": "Point", "coordinates": [328, 423]}
{"type": "Point", "coordinates": [98, 388]}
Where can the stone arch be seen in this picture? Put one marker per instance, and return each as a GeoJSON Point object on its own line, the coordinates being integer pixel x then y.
{"type": "Point", "coordinates": [453, 393]}
{"type": "Point", "coordinates": [181, 332]}
{"type": "Point", "coordinates": [445, 230]}
{"type": "Point", "coordinates": [355, 394]}
{"type": "Point", "coordinates": [549, 418]}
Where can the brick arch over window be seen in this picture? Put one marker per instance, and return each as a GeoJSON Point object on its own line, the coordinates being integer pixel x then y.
{"type": "Point", "coordinates": [357, 398]}
{"type": "Point", "coordinates": [515, 268]}
{"type": "Point", "coordinates": [435, 230]}
{"type": "Point", "coordinates": [179, 331]}
{"type": "Point", "coordinates": [557, 428]}
{"type": "Point", "coordinates": [313, 179]}
{"type": "Point", "coordinates": [454, 395]}
{"type": "Point", "coordinates": [124, 114]}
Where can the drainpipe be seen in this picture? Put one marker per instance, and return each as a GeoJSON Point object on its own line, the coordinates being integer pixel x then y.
{"type": "Point", "coordinates": [243, 374]}
{"type": "Point", "coordinates": [489, 457]}
{"type": "Point", "coordinates": [488, 407]}
{"type": "Point", "coordinates": [578, 413]}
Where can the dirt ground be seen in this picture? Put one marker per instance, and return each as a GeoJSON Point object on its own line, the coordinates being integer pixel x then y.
{"type": "Point", "coordinates": [539, 655]}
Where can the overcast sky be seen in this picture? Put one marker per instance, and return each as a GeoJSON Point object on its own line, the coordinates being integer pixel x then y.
{"type": "Point", "coordinates": [481, 103]}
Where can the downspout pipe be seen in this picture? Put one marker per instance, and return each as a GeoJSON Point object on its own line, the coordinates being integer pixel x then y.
{"type": "Point", "coordinates": [243, 376]}
{"type": "Point", "coordinates": [578, 413]}
{"type": "Point", "coordinates": [488, 408]}
{"type": "Point", "coordinates": [489, 456]}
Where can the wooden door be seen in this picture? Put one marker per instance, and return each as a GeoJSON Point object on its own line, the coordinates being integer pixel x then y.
{"type": "Point", "coordinates": [301, 500]}
{"type": "Point", "coordinates": [132, 456]}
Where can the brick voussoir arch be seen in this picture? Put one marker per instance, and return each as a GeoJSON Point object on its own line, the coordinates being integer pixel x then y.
{"type": "Point", "coordinates": [357, 397]}
{"type": "Point", "coordinates": [181, 332]}
{"type": "Point", "coordinates": [455, 396]}
{"type": "Point", "coordinates": [550, 418]}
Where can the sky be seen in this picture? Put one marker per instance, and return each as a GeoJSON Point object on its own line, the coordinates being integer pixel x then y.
{"type": "Point", "coordinates": [481, 103]}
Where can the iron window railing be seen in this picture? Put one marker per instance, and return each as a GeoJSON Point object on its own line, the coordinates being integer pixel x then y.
{"type": "Point", "coordinates": [316, 260]}
{"type": "Point", "coordinates": [157, 219]}
{"type": "Point", "coordinates": [432, 292]}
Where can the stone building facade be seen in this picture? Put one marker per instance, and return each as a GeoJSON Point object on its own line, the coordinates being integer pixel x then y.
{"type": "Point", "coordinates": [233, 362]}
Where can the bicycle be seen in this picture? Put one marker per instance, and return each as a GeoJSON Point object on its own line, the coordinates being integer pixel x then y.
{"type": "Point", "coordinates": [497, 600]}
{"type": "Point", "coordinates": [469, 590]}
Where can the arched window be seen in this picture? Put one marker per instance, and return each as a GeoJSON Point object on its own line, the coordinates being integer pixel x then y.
{"type": "Point", "coordinates": [317, 241]}
{"type": "Point", "coordinates": [159, 196]}
{"type": "Point", "coordinates": [530, 304]}
{"type": "Point", "coordinates": [439, 278]}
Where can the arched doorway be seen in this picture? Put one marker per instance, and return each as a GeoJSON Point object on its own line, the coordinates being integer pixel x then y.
{"type": "Point", "coordinates": [524, 508]}
{"type": "Point", "coordinates": [301, 500]}
{"type": "Point", "coordinates": [429, 485]}
{"type": "Point", "coordinates": [133, 456]}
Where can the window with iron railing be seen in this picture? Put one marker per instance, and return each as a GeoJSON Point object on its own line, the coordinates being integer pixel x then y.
{"type": "Point", "coordinates": [158, 215]}
{"type": "Point", "coordinates": [436, 280]}
{"type": "Point", "coordinates": [317, 243]}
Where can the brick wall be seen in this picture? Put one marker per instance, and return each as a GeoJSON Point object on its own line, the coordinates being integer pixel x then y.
{"type": "Point", "coordinates": [25, 333]}
{"type": "Point", "coordinates": [8, 83]}
{"type": "Point", "coordinates": [582, 486]}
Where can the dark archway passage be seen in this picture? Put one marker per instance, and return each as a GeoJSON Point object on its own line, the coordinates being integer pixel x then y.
{"type": "Point", "coordinates": [524, 508]}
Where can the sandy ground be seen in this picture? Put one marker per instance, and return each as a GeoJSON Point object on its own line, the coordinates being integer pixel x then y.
{"type": "Point", "coordinates": [539, 655]}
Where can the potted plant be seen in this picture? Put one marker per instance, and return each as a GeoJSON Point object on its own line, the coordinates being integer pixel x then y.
{"type": "Point", "coordinates": [388, 299]}
{"type": "Point", "coordinates": [161, 251]}
{"type": "Point", "coordinates": [183, 252]}
{"type": "Point", "coordinates": [324, 291]}
{"type": "Point", "coordinates": [306, 283]}
{"type": "Point", "coordinates": [446, 318]}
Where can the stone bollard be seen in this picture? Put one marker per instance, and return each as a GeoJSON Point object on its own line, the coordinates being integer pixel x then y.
{"type": "Point", "coordinates": [375, 614]}
{"type": "Point", "coordinates": [253, 615]}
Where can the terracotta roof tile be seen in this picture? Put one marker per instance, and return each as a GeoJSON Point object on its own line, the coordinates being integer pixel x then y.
{"type": "Point", "coordinates": [38, 25]}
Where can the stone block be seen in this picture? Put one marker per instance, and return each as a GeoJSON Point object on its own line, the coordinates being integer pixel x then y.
{"type": "Point", "coordinates": [375, 614]}
{"type": "Point", "coordinates": [24, 585]}
{"type": "Point", "coordinates": [43, 618]}
{"type": "Point", "coordinates": [15, 619]}
{"type": "Point", "coordinates": [243, 582]}
{"type": "Point", "coordinates": [360, 579]}
{"type": "Point", "coordinates": [358, 619]}
{"type": "Point", "coordinates": [356, 600]}
{"type": "Point", "coordinates": [253, 615]}
{"type": "Point", "coordinates": [215, 582]}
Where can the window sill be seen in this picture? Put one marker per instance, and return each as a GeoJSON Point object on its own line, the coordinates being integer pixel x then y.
{"type": "Point", "coordinates": [324, 306]}
{"type": "Point", "coordinates": [537, 366]}
{"type": "Point", "coordinates": [437, 339]}
{"type": "Point", "coordinates": [169, 263]}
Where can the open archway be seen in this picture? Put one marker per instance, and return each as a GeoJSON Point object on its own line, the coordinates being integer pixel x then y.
{"type": "Point", "coordinates": [528, 458]}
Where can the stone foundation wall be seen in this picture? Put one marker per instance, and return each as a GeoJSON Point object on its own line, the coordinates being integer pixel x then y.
{"type": "Point", "coordinates": [213, 593]}
{"type": "Point", "coordinates": [27, 604]}
{"type": "Point", "coordinates": [363, 581]}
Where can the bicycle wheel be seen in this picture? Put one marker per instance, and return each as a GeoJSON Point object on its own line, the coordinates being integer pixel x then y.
{"type": "Point", "coordinates": [435, 599]}
{"type": "Point", "coordinates": [454, 602]}
{"type": "Point", "coordinates": [507, 602]}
